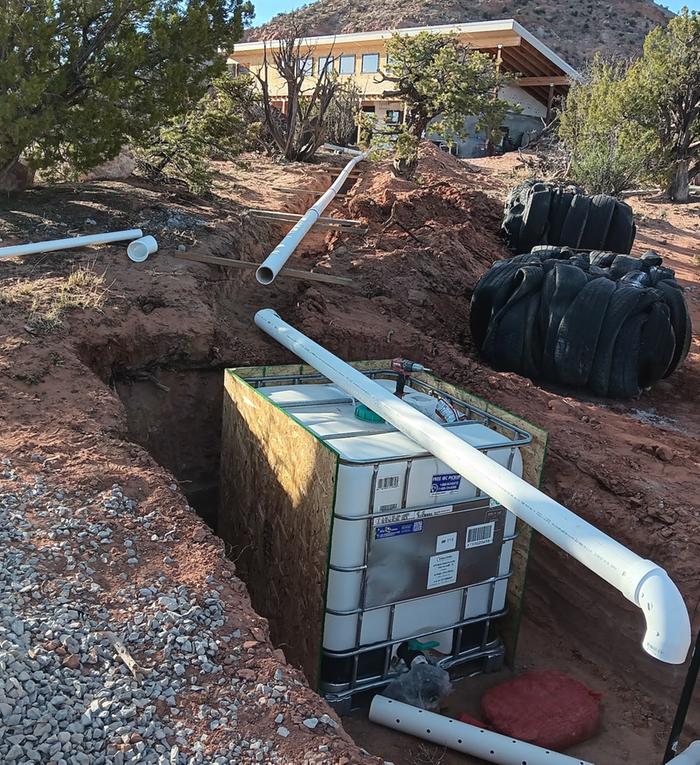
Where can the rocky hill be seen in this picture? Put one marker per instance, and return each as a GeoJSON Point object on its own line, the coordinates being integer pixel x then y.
{"type": "Point", "coordinates": [575, 30]}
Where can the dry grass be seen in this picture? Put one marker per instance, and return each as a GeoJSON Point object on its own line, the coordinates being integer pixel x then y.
{"type": "Point", "coordinates": [48, 301]}
{"type": "Point", "coordinates": [15, 292]}
{"type": "Point", "coordinates": [428, 754]}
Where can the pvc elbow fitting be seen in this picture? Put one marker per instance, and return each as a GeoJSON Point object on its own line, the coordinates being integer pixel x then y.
{"type": "Point", "coordinates": [690, 756]}
{"type": "Point", "coordinates": [668, 636]}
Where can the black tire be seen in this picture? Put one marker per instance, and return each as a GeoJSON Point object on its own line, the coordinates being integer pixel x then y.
{"type": "Point", "coordinates": [545, 251]}
{"type": "Point", "coordinates": [508, 332]}
{"type": "Point", "coordinates": [637, 279]}
{"type": "Point", "coordinates": [559, 209]}
{"type": "Point", "coordinates": [564, 283]}
{"type": "Point", "coordinates": [598, 222]}
{"type": "Point", "coordinates": [575, 221]}
{"type": "Point", "coordinates": [680, 321]}
{"type": "Point", "coordinates": [622, 230]}
{"type": "Point", "coordinates": [625, 302]}
{"type": "Point", "coordinates": [659, 273]}
{"type": "Point", "coordinates": [601, 258]}
{"type": "Point", "coordinates": [651, 258]}
{"type": "Point", "coordinates": [657, 345]}
{"type": "Point", "coordinates": [535, 219]}
{"type": "Point", "coordinates": [624, 370]}
{"type": "Point", "coordinates": [579, 331]}
{"type": "Point", "coordinates": [622, 265]}
{"type": "Point", "coordinates": [513, 214]}
{"type": "Point", "coordinates": [532, 349]}
{"type": "Point", "coordinates": [491, 292]}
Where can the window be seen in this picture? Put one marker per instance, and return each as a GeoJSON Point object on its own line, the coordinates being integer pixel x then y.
{"type": "Point", "coordinates": [394, 117]}
{"type": "Point", "coordinates": [370, 62]}
{"type": "Point", "coordinates": [322, 63]}
{"type": "Point", "coordinates": [308, 67]}
{"type": "Point", "coordinates": [388, 61]}
{"type": "Point", "coordinates": [347, 64]}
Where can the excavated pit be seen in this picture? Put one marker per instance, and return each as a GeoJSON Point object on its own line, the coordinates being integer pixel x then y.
{"type": "Point", "coordinates": [170, 328]}
{"type": "Point", "coordinates": [176, 417]}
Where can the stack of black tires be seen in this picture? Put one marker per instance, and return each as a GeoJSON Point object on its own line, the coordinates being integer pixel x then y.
{"type": "Point", "coordinates": [611, 323]}
{"type": "Point", "coordinates": [538, 213]}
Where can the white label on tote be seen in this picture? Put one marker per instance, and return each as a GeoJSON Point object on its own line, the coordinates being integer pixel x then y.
{"type": "Point", "coordinates": [480, 535]}
{"type": "Point", "coordinates": [389, 482]}
{"type": "Point", "coordinates": [410, 515]}
{"type": "Point", "coordinates": [445, 482]}
{"type": "Point", "coordinates": [446, 542]}
{"type": "Point", "coordinates": [442, 569]}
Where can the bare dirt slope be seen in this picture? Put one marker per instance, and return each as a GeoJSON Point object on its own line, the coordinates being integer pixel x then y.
{"type": "Point", "coordinates": [85, 389]}
{"type": "Point", "coordinates": [574, 31]}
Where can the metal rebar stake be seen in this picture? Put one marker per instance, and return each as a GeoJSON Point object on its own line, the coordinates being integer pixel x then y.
{"type": "Point", "coordinates": [684, 703]}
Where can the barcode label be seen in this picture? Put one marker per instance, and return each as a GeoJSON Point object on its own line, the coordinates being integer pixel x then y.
{"type": "Point", "coordinates": [480, 535]}
{"type": "Point", "coordinates": [387, 508]}
{"type": "Point", "coordinates": [390, 482]}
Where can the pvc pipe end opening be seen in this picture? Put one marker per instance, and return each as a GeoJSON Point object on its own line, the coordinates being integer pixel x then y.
{"type": "Point", "coordinates": [137, 251]}
{"type": "Point", "coordinates": [141, 248]}
{"type": "Point", "coordinates": [265, 275]}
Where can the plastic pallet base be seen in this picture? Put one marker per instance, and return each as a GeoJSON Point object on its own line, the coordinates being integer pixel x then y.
{"type": "Point", "coordinates": [343, 702]}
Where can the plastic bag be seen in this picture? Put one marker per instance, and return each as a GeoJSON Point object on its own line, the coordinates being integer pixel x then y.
{"type": "Point", "coordinates": [423, 686]}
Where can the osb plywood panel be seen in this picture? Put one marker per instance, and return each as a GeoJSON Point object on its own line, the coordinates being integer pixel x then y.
{"type": "Point", "coordinates": [277, 487]}
{"type": "Point", "coordinates": [533, 460]}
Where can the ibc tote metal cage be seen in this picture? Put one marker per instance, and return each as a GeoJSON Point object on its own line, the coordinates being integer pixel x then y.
{"type": "Point", "coordinates": [469, 644]}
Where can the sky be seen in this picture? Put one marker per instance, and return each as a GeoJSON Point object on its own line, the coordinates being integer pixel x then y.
{"type": "Point", "coordinates": [266, 9]}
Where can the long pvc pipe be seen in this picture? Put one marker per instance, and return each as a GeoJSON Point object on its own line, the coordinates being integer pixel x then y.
{"type": "Point", "coordinates": [462, 737]}
{"type": "Point", "coordinates": [275, 261]}
{"type": "Point", "coordinates": [641, 581]}
{"type": "Point", "coordinates": [70, 243]}
{"type": "Point", "coordinates": [341, 149]}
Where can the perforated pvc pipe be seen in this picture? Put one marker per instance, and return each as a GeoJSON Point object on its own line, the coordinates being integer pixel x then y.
{"type": "Point", "coordinates": [641, 581]}
{"type": "Point", "coordinates": [468, 739]}
{"type": "Point", "coordinates": [70, 243]}
{"type": "Point", "coordinates": [274, 262]}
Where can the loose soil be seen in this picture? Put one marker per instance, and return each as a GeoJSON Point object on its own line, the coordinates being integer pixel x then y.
{"type": "Point", "coordinates": [129, 392]}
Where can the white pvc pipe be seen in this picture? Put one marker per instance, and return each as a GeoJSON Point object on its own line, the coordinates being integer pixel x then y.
{"type": "Point", "coordinates": [691, 756]}
{"type": "Point", "coordinates": [462, 737]}
{"type": "Point", "coordinates": [641, 581]}
{"type": "Point", "coordinates": [275, 261]}
{"type": "Point", "coordinates": [341, 149]}
{"type": "Point", "coordinates": [70, 243]}
{"type": "Point", "coordinates": [140, 249]}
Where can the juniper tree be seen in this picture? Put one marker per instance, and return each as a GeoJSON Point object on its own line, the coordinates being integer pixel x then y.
{"type": "Point", "coordinates": [79, 78]}
{"type": "Point", "coordinates": [663, 96]}
{"type": "Point", "coordinates": [436, 76]}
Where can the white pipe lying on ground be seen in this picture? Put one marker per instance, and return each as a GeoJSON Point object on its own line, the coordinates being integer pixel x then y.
{"type": "Point", "coordinates": [641, 581]}
{"type": "Point", "coordinates": [275, 261]}
{"type": "Point", "coordinates": [462, 737]}
{"type": "Point", "coordinates": [70, 243]}
{"type": "Point", "coordinates": [140, 249]}
{"type": "Point", "coordinates": [341, 149]}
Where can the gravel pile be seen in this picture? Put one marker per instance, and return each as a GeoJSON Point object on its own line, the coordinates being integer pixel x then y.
{"type": "Point", "coordinates": [82, 685]}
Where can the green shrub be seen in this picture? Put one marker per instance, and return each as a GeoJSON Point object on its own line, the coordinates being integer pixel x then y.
{"type": "Point", "coordinates": [81, 78]}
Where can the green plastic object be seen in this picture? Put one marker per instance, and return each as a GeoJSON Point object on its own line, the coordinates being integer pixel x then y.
{"type": "Point", "coordinates": [364, 413]}
{"type": "Point", "coordinates": [416, 645]}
